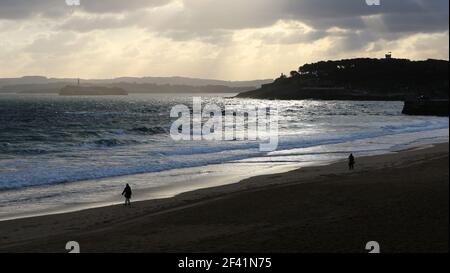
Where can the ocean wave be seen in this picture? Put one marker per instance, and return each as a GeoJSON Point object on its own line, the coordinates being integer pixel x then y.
{"type": "Point", "coordinates": [294, 141]}
{"type": "Point", "coordinates": [93, 148]}
{"type": "Point", "coordinates": [20, 179]}
{"type": "Point", "coordinates": [109, 142]}
{"type": "Point", "coordinates": [12, 149]}
{"type": "Point", "coordinates": [67, 174]}
{"type": "Point", "coordinates": [149, 130]}
{"type": "Point", "coordinates": [88, 133]}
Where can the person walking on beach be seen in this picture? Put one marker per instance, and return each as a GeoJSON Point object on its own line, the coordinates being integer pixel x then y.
{"type": "Point", "coordinates": [127, 194]}
{"type": "Point", "coordinates": [351, 162]}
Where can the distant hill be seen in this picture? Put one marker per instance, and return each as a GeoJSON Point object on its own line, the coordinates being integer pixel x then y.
{"type": "Point", "coordinates": [140, 88]}
{"type": "Point", "coordinates": [38, 84]}
{"type": "Point", "coordinates": [360, 79]}
{"type": "Point", "coordinates": [185, 81]}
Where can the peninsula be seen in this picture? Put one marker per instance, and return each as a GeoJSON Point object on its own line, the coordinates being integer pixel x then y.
{"type": "Point", "coordinates": [386, 79]}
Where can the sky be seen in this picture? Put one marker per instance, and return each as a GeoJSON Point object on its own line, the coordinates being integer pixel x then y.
{"type": "Point", "coordinates": [215, 39]}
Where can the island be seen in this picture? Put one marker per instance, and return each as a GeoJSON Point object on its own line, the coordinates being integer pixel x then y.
{"type": "Point", "coordinates": [366, 79]}
{"type": "Point", "coordinates": [76, 90]}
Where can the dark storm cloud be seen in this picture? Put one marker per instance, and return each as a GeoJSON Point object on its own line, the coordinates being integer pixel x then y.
{"type": "Point", "coordinates": [20, 9]}
{"type": "Point", "coordinates": [117, 6]}
{"type": "Point", "coordinates": [392, 19]}
{"type": "Point", "coordinates": [396, 15]}
{"type": "Point", "coordinates": [214, 20]}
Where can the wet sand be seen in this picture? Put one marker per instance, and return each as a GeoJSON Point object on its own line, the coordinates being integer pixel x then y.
{"type": "Point", "coordinates": [399, 200]}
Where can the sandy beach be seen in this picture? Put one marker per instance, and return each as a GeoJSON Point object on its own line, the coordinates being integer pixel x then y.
{"type": "Point", "coordinates": [400, 200]}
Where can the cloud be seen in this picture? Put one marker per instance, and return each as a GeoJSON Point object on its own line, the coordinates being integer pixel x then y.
{"type": "Point", "coordinates": [20, 9]}
{"type": "Point", "coordinates": [420, 15]}
{"type": "Point", "coordinates": [55, 44]}
{"type": "Point", "coordinates": [186, 18]}
{"type": "Point", "coordinates": [248, 39]}
{"type": "Point", "coordinates": [117, 6]}
{"type": "Point", "coordinates": [214, 20]}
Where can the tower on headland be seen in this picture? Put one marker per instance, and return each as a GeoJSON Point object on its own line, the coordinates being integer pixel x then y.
{"type": "Point", "coordinates": [388, 56]}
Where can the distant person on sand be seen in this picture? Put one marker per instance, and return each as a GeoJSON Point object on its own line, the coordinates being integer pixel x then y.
{"type": "Point", "coordinates": [127, 194]}
{"type": "Point", "coordinates": [351, 162]}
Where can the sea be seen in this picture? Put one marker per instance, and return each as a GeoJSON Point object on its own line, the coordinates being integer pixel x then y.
{"type": "Point", "coordinates": [60, 154]}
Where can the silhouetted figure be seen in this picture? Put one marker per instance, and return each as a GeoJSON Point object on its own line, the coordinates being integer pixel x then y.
{"type": "Point", "coordinates": [351, 162]}
{"type": "Point", "coordinates": [127, 194]}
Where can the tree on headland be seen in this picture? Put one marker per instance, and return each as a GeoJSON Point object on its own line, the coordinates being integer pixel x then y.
{"type": "Point", "coordinates": [361, 78]}
{"type": "Point", "coordinates": [294, 74]}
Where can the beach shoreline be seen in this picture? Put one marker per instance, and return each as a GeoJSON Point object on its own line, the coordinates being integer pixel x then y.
{"type": "Point", "coordinates": [87, 194]}
{"type": "Point", "coordinates": [215, 219]}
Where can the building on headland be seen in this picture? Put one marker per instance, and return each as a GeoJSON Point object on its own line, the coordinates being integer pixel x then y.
{"type": "Point", "coordinates": [388, 56]}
